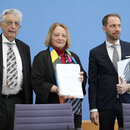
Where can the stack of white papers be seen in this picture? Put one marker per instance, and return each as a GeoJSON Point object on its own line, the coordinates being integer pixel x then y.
{"type": "Point", "coordinates": [124, 70]}
{"type": "Point", "coordinates": [68, 80]}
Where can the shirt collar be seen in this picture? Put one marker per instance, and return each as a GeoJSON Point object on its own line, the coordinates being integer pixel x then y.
{"type": "Point", "coordinates": [110, 44]}
{"type": "Point", "coordinates": [5, 40]}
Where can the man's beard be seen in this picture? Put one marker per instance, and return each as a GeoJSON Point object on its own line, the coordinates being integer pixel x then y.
{"type": "Point", "coordinates": [112, 37]}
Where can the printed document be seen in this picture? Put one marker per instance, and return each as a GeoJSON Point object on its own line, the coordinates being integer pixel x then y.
{"type": "Point", "coordinates": [68, 80]}
{"type": "Point", "coordinates": [124, 69]}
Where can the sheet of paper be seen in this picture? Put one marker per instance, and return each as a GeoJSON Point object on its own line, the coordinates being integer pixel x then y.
{"type": "Point", "coordinates": [68, 80]}
{"type": "Point", "coordinates": [124, 69]}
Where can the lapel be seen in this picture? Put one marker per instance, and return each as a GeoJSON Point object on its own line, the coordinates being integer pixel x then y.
{"type": "Point", "coordinates": [123, 48]}
{"type": "Point", "coordinates": [50, 67]}
{"type": "Point", "coordinates": [105, 53]}
{"type": "Point", "coordinates": [1, 61]}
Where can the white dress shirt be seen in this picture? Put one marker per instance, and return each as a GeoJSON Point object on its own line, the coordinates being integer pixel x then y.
{"type": "Point", "coordinates": [5, 88]}
{"type": "Point", "coordinates": [110, 51]}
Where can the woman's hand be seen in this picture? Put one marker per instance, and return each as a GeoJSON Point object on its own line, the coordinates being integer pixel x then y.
{"type": "Point", "coordinates": [81, 77]}
{"type": "Point", "coordinates": [55, 89]}
{"type": "Point", "coordinates": [62, 99]}
{"type": "Point", "coordinates": [68, 97]}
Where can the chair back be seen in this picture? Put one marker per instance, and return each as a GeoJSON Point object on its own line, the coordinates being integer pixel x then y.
{"type": "Point", "coordinates": [126, 116]}
{"type": "Point", "coordinates": [43, 117]}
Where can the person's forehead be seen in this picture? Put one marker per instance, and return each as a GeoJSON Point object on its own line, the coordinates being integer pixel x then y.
{"type": "Point", "coordinates": [59, 29]}
{"type": "Point", "coordinates": [112, 19]}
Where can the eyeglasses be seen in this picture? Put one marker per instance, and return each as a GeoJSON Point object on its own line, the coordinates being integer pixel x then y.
{"type": "Point", "coordinates": [9, 23]}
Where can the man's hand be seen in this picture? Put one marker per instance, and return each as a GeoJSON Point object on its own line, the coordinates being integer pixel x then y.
{"type": "Point", "coordinates": [122, 87]}
{"type": "Point", "coordinates": [94, 116]}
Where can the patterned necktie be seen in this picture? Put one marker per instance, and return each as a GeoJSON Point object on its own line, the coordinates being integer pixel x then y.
{"type": "Point", "coordinates": [76, 105]}
{"type": "Point", "coordinates": [115, 56]}
{"type": "Point", "coordinates": [12, 73]}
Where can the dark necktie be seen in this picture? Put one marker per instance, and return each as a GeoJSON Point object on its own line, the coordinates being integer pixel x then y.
{"type": "Point", "coordinates": [115, 56]}
{"type": "Point", "coordinates": [12, 73]}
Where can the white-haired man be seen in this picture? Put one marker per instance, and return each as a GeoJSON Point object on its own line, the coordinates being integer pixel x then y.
{"type": "Point", "coordinates": [15, 68]}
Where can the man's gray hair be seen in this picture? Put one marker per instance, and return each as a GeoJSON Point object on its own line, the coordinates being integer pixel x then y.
{"type": "Point", "coordinates": [11, 11]}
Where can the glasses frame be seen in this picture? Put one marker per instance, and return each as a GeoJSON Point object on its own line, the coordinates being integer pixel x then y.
{"type": "Point", "coordinates": [10, 23]}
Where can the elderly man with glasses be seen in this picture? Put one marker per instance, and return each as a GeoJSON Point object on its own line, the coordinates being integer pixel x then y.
{"type": "Point", "coordinates": [15, 68]}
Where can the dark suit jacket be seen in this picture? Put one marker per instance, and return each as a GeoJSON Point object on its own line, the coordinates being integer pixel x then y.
{"type": "Point", "coordinates": [103, 77]}
{"type": "Point", "coordinates": [43, 77]}
{"type": "Point", "coordinates": [24, 51]}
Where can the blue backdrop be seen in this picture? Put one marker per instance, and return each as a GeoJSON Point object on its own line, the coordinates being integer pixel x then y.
{"type": "Point", "coordinates": [82, 17]}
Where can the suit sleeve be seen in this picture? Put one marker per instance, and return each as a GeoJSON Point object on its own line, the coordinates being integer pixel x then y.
{"type": "Point", "coordinates": [24, 51]}
{"type": "Point", "coordinates": [30, 86]}
{"type": "Point", "coordinates": [92, 81]}
{"type": "Point", "coordinates": [41, 80]}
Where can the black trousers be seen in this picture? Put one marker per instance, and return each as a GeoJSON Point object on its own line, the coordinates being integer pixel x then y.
{"type": "Point", "coordinates": [7, 108]}
{"type": "Point", "coordinates": [77, 121]}
{"type": "Point", "coordinates": [107, 117]}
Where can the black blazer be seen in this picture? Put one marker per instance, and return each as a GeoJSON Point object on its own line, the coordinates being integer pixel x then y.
{"type": "Point", "coordinates": [103, 77]}
{"type": "Point", "coordinates": [43, 77]}
{"type": "Point", "coordinates": [24, 51]}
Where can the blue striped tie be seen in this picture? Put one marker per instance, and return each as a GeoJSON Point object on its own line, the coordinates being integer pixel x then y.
{"type": "Point", "coordinates": [76, 105]}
